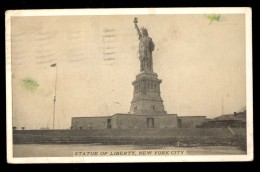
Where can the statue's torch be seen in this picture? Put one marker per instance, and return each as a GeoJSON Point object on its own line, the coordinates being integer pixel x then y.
{"type": "Point", "coordinates": [135, 20]}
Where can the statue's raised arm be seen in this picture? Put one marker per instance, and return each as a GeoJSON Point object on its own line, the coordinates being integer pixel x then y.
{"type": "Point", "coordinates": [136, 27]}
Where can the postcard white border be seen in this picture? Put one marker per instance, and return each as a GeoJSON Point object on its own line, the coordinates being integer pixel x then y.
{"type": "Point", "coordinates": [133, 11]}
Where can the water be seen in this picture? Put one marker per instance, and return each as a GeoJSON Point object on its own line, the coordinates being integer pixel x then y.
{"type": "Point", "coordinates": [66, 150]}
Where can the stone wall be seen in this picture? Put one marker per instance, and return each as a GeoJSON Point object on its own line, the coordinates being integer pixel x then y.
{"type": "Point", "coordinates": [185, 136]}
{"type": "Point", "coordinates": [190, 121]}
{"type": "Point", "coordinates": [132, 121]}
{"type": "Point", "coordinates": [166, 121]}
{"type": "Point", "coordinates": [89, 123]}
{"type": "Point", "coordinates": [125, 121]}
{"type": "Point", "coordinates": [146, 107]}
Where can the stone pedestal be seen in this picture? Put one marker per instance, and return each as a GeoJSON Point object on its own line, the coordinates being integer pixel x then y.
{"type": "Point", "coordinates": [147, 96]}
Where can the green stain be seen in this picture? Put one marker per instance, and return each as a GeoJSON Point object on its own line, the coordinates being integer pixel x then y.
{"type": "Point", "coordinates": [29, 84]}
{"type": "Point", "coordinates": [213, 17]}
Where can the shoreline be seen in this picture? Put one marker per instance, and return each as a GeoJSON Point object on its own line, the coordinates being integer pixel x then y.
{"type": "Point", "coordinates": [191, 137]}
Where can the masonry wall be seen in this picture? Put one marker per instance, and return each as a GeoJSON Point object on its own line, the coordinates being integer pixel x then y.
{"type": "Point", "coordinates": [131, 121]}
{"type": "Point", "coordinates": [209, 136]}
{"type": "Point", "coordinates": [89, 122]}
{"type": "Point", "coordinates": [166, 121]}
{"type": "Point", "coordinates": [190, 121]}
{"type": "Point", "coordinates": [126, 121]}
{"type": "Point", "coordinates": [147, 107]}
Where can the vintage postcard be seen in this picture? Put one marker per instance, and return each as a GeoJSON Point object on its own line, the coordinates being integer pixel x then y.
{"type": "Point", "coordinates": [129, 85]}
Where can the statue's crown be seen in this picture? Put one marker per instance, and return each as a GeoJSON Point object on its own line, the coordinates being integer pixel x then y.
{"type": "Point", "coordinates": [145, 29]}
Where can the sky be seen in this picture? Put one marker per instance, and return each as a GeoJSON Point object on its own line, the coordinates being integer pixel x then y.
{"type": "Point", "coordinates": [201, 64]}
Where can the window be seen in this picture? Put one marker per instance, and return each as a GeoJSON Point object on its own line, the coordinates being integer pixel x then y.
{"type": "Point", "coordinates": [179, 123]}
{"type": "Point", "coordinates": [135, 108]}
{"type": "Point", "coordinates": [153, 107]}
{"type": "Point", "coordinates": [155, 87]}
{"type": "Point", "coordinates": [109, 125]}
{"type": "Point", "coordinates": [150, 122]}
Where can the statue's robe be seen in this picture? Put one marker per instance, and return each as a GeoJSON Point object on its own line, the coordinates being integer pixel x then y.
{"type": "Point", "coordinates": [146, 46]}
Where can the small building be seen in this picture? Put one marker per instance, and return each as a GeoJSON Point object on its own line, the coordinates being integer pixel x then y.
{"type": "Point", "coordinates": [236, 120]}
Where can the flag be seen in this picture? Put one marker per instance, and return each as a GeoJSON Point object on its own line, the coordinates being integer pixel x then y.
{"type": "Point", "coordinates": [53, 65]}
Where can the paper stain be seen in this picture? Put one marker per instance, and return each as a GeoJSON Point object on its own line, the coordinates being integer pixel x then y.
{"type": "Point", "coordinates": [29, 84]}
{"type": "Point", "coordinates": [213, 17]}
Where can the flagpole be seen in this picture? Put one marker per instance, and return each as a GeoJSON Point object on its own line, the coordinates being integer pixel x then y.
{"type": "Point", "coordinates": [54, 100]}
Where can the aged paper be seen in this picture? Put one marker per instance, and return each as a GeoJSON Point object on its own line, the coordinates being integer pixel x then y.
{"type": "Point", "coordinates": [129, 85]}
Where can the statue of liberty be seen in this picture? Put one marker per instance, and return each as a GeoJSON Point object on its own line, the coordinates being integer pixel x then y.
{"type": "Point", "coordinates": [146, 46]}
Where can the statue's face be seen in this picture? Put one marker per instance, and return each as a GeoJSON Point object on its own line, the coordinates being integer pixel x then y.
{"type": "Point", "coordinates": [144, 32]}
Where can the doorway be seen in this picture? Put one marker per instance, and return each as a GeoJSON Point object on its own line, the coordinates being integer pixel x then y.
{"type": "Point", "coordinates": [109, 125]}
{"type": "Point", "coordinates": [150, 122]}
